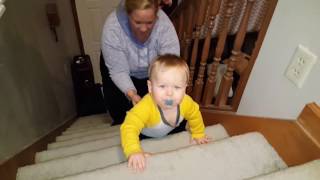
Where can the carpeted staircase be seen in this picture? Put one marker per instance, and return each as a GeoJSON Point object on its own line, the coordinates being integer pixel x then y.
{"type": "Point", "coordinates": [90, 150]}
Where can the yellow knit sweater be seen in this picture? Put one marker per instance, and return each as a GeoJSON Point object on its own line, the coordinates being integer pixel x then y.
{"type": "Point", "coordinates": [146, 114]}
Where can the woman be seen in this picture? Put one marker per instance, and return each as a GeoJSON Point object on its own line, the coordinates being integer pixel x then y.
{"type": "Point", "coordinates": [133, 35]}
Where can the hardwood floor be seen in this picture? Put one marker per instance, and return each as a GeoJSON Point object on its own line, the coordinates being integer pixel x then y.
{"type": "Point", "coordinates": [292, 143]}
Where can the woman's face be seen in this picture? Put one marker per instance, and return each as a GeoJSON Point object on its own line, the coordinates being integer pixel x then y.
{"type": "Point", "coordinates": [142, 22]}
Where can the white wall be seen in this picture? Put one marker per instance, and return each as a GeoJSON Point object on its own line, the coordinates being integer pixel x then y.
{"type": "Point", "coordinates": [36, 91]}
{"type": "Point", "coordinates": [268, 92]}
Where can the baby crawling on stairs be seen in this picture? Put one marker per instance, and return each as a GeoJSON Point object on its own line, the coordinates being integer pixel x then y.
{"type": "Point", "coordinates": [162, 110]}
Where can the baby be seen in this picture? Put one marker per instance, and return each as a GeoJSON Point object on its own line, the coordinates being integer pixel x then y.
{"type": "Point", "coordinates": [161, 110]}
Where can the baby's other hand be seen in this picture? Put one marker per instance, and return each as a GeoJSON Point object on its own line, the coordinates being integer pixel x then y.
{"type": "Point", "coordinates": [203, 140]}
{"type": "Point", "coordinates": [137, 161]}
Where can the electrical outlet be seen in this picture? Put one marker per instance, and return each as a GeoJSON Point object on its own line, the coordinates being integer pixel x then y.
{"type": "Point", "coordinates": [301, 65]}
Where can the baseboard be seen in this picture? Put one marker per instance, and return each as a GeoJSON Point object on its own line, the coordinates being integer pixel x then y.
{"type": "Point", "coordinates": [293, 144]}
{"type": "Point", "coordinates": [8, 169]}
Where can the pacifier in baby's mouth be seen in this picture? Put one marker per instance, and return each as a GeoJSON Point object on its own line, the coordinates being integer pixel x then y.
{"type": "Point", "coordinates": [168, 102]}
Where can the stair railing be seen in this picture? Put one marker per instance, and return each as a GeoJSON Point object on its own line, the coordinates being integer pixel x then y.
{"type": "Point", "coordinates": [202, 22]}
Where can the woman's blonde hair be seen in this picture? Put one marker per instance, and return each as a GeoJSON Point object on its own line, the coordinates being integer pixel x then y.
{"type": "Point", "coordinates": [132, 5]}
{"type": "Point", "coordinates": [168, 61]}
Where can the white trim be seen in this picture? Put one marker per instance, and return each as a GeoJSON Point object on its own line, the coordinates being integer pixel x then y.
{"type": "Point", "coordinates": [2, 9]}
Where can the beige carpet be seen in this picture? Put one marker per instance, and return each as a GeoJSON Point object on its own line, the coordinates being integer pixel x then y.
{"type": "Point", "coordinates": [238, 157]}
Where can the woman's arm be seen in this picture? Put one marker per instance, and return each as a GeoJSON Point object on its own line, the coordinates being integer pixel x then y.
{"type": "Point", "coordinates": [133, 96]}
{"type": "Point", "coordinates": [115, 55]}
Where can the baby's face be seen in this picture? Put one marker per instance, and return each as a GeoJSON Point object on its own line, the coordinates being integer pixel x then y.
{"type": "Point", "coordinates": [168, 87]}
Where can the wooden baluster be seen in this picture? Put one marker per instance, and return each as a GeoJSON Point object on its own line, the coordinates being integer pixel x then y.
{"type": "Point", "coordinates": [214, 9]}
{"type": "Point", "coordinates": [189, 27]}
{"type": "Point", "coordinates": [241, 61]}
{"type": "Point", "coordinates": [211, 80]}
{"type": "Point", "coordinates": [181, 24]}
{"type": "Point", "coordinates": [236, 55]}
{"type": "Point", "coordinates": [243, 27]}
{"type": "Point", "coordinates": [200, 18]}
{"type": "Point", "coordinates": [175, 18]}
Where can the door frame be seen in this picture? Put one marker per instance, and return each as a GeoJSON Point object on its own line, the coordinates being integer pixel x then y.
{"type": "Point", "coordinates": [77, 25]}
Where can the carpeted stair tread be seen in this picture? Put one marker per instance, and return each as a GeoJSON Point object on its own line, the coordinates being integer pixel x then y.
{"type": "Point", "coordinates": [86, 125]}
{"type": "Point", "coordinates": [87, 133]}
{"type": "Point", "coordinates": [89, 121]}
{"type": "Point", "coordinates": [77, 149]}
{"type": "Point", "coordinates": [92, 118]}
{"type": "Point", "coordinates": [82, 140]}
{"type": "Point", "coordinates": [108, 156]}
{"type": "Point", "coordinates": [72, 130]}
{"type": "Point", "coordinates": [67, 132]}
{"type": "Point", "coordinates": [238, 157]}
{"type": "Point", "coordinates": [308, 171]}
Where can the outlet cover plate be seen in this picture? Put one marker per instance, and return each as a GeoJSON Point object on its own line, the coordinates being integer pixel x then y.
{"type": "Point", "coordinates": [301, 65]}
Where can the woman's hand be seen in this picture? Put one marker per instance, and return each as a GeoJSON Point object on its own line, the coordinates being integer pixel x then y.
{"type": "Point", "coordinates": [167, 2]}
{"type": "Point", "coordinates": [137, 161]}
{"type": "Point", "coordinates": [134, 97]}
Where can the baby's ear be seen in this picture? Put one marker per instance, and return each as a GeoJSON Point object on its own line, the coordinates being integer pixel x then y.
{"type": "Point", "coordinates": [149, 86]}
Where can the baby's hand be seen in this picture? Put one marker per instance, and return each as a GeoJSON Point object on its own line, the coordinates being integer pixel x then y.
{"type": "Point", "coordinates": [203, 140]}
{"type": "Point", "coordinates": [137, 161]}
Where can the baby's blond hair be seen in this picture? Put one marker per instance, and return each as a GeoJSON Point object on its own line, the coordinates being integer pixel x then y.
{"type": "Point", "coordinates": [168, 61]}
